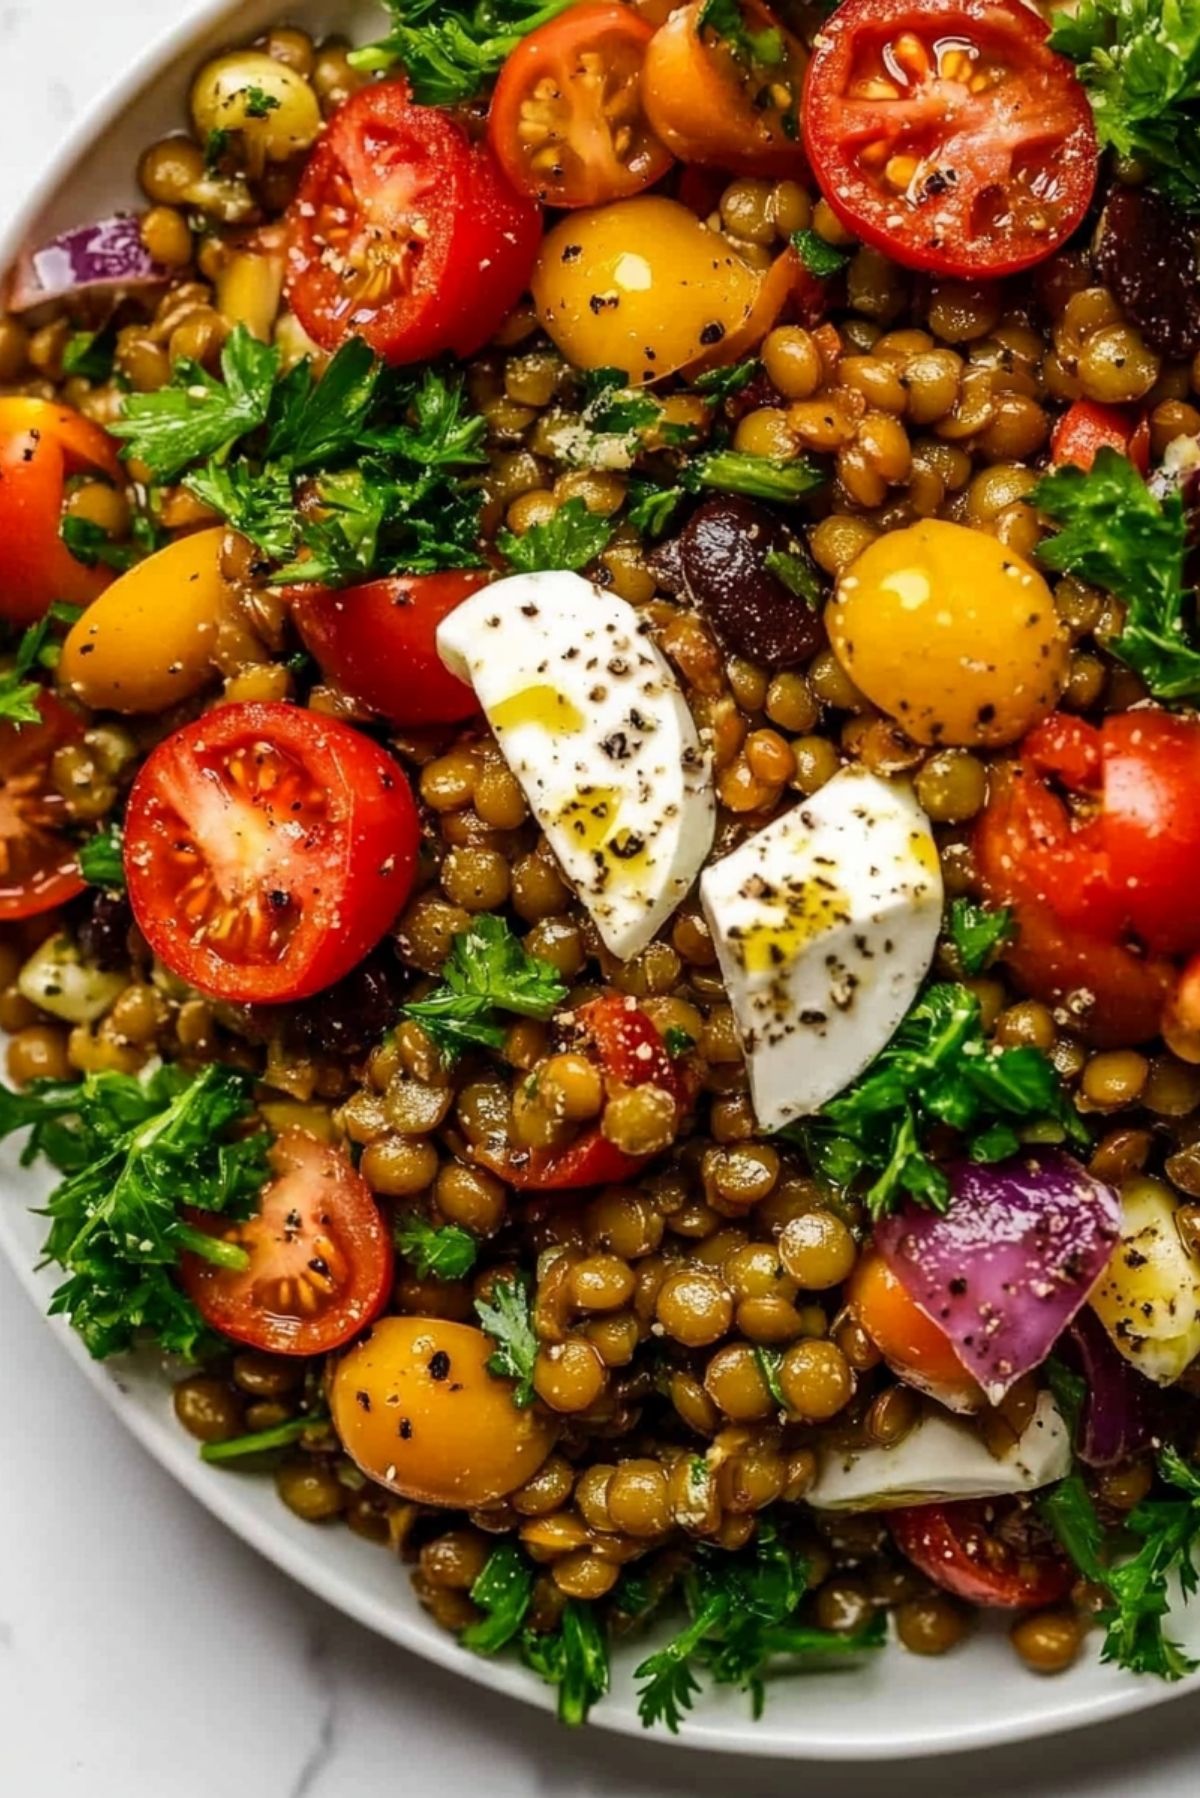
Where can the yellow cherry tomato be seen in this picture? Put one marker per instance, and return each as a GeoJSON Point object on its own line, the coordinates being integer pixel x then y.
{"type": "Point", "coordinates": [641, 285]}
{"type": "Point", "coordinates": [417, 1409]}
{"type": "Point", "coordinates": [148, 641]}
{"type": "Point", "coordinates": [950, 633]}
{"type": "Point", "coordinates": [1148, 1297]}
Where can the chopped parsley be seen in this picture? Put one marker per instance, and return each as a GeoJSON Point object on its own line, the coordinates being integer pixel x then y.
{"type": "Point", "coordinates": [820, 258]}
{"type": "Point", "coordinates": [20, 694]}
{"type": "Point", "coordinates": [90, 354]}
{"type": "Point", "coordinates": [259, 103]}
{"type": "Point", "coordinates": [726, 19]}
{"type": "Point", "coordinates": [442, 1254]}
{"type": "Point", "coordinates": [197, 416]}
{"type": "Point", "coordinates": [507, 1319]}
{"type": "Point", "coordinates": [769, 1361]}
{"type": "Point", "coordinates": [449, 51]}
{"type": "Point", "coordinates": [938, 1069]}
{"type": "Point", "coordinates": [652, 508]}
{"type": "Point", "coordinates": [133, 1153]}
{"type": "Point", "coordinates": [574, 1657]}
{"type": "Point", "coordinates": [723, 383]}
{"type": "Point", "coordinates": [91, 544]}
{"type": "Point", "coordinates": [488, 971]}
{"type": "Point", "coordinates": [504, 1593]}
{"type": "Point", "coordinates": [614, 408]}
{"type": "Point", "coordinates": [757, 477]}
{"type": "Point", "coordinates": [798, 572]}
{"type": "Point", "coordinates": [570, 539]}
{"type": "Point", "coordinates": [263, 1442]}
{"type": "Point", "coordinates": [678, 1042]}
{"type": "Point", "coordinates": [101, 860]}
{"type": "Point", "coordinates": [978, 932]}
{"type": "Point", "coordinates": [216, 148]}
{"type": "Point", "coordinates": [1117, 534]}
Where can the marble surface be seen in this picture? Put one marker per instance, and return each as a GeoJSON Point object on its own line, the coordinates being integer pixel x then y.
{"type": "Point", "coordinates": [144, 1652]}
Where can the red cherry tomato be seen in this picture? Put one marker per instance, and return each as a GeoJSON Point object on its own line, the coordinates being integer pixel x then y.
{"type": "Point", "coordinates": [1088, 427]}
{"type": "Point", "coordinates": [40, 445]}
{"type": "Point", "coordinates": [629, 1052]}
{"type": "Point", "coordinates": [378, 642]}
{"type": "Point", "coordinates": [405, 233]}
{"type": "Point", "coordinates": [267, 849]}
{"type": "Point", "coordinates": [320, 1257]}
{"type": "Point", "coordinates": [958, 1547]}
{"type": "Point", "coordinates": [37, 863]}
{"type": "Point", "coordinates": [947, 134]}
{"type": "Point", "coordinates": [725, 94]}
{"type": "Point", "coordinates": [566, 120]}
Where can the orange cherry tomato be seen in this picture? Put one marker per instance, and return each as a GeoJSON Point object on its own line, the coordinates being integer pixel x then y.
{"type": "Point", "coordinates": [727, 99]}
{"type": "Point", "coordinates": [37, 863]}
{"type": "Point", "coordinates": [41, 444]}
{"type": "Point", "coordinates": [909, 1342]}
{"type": "Point", "coordinates": [567, 123]}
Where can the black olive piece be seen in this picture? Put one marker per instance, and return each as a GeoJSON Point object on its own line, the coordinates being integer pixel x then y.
{"type": "Point", "coordinates": [1149, 254]}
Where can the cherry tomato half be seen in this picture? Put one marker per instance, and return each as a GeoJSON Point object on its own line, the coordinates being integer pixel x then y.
{"type": "Point", "coordinates": [378, 642]}
{"type": "Point", "coordinates": [267, 849]}
{"type": "Point", "coordinates": [1087, 427]}
{"type": "Point", "coordinates": [40, 445]}
{"type": "Point", "coordinates": [37, 863]}
{"type": "Point", "coordinates": [566, 122]}
{"type": "Point", "coordinates": [959, 1547]}
{"type": "Point", "coordinates": [947, 134]}
{"type": "Point", "coordinates": [320, 1257]}
{"type": "Point", "coordinates": [910, 1343]}
{"type": "Point", "coordinates": [405, 233]}
{"type": "Point", "coordinates": [727, 97]}
{"type": "Point", "coordinates": [629, 1052]}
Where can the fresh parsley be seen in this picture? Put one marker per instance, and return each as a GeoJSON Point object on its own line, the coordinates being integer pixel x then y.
{"type": "Point", "coordinates": [101, 860]}
{"type": "Point", "coordinates": [1140, 63]}
{"type": "Point", "coordinates": [821, 259]}
{"type": "Point", "coordinates": [723, 383]}
{"type": "Point", "coordinates": [442, 1254]}
{"type": "Point", "coordinates": [613, 408]}
{"type": "Point", "coordinates": [652, 508]}
{"type": "Point", "coordinates": [488, 971]}
{"type": "Point", "coordinates": [91, 544]}
{"type": "Point", "coordinates": [726, 19]}
{"type": "Point", "coordinates": [197, 416]}
{"type": "Point", "coordinates": [133, 1153]}
{"type": "Point", "coordinates": [264, 1442]}
{"type": "Point", "coordinates": [504, 1593]}
{"type": "Point", "coordinates": [90, 354]}
{"type": "Point", "coordinates": [978, 932]}
{"type": "Point", "coordinates": [450, 51]}
{"type": "Point", "coordinates": [678, 1042]}
{"type": "Point", "coordinates": [798, 572]}
{"type": "Point", "coordinates": [574, 1657]}
{"type": "Point", "coordinates": [506, 1317]}
{"type": "Point", "coordinates": [570, 539]}
{"type": "Point", "coordinates": [1119, 535]}
{"type": "Point", "coordinates": [757, 477]}
{"type": "Point", "coordinates": [938, 1069]}
{"type": "Point", "coordinates": [1139, 1587]}
{"type": "Point", "coordinates": [259, 103]}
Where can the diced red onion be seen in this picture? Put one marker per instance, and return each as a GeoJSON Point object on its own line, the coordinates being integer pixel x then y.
{"type": "Point", "coordinates": [108, 253]}
{"type": "Point", "coordinates": [1010, 1262]}
{"type": "Point", "coordinates": [1119, 1403]}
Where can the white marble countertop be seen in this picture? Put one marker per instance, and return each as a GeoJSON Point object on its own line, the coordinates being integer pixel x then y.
{"type": "Point", "coordinates": [145, 1652]}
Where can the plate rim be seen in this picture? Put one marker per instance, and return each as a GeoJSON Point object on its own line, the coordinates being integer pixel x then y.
{"type": "Point", "coordinates": [220, 1497]}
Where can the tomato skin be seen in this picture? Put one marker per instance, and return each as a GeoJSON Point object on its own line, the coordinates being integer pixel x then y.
{"type": "Point", "coordinates": [954, 1547]}
{"type": "Point", "coordinates": [1087, 427]}
{"type": "Point", "coordinates": [396, 198]}
{"type": "Point", "coordinates": [40, 870]}
{"type": "Point", "coordinates": [703, 103]}
{"type": "Point", "coordinates": [1038, 107]}
{"type": "Point", "coordinates": [378, 643]}
{"type": "Point", "coordinates": [910, 1342]}
{"type": "Point", "coordinates": [630, 1052]}
{"type": "Point", "coordinates": [267, 850]}
{"type": "Point", "coordinates": [341, 1224]}
{"type": "Point", "coordinates": [579, 119]}
{"type": "Point", "coordinates": [40, 445]}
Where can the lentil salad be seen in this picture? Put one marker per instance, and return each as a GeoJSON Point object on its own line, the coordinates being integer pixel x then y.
{"type": "Point", "coordinates": [419, 1089]}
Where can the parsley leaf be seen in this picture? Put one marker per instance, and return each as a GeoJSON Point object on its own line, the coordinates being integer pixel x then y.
{"type": "Point", "coordinates": [725, 19]}
{"type": "Point", "coordinates": [820, 258]}
{"type": "Point", "coordinates": [488, 970]}
{"type": "Point", "coordinates": [442, 433]}
{"type": "Point", "coordinates": [613, 408]}
{"type": "Point", "coordinates": [758, 477]}
{"type": "Point", "coordinates": [263, 1442]}
{"type": "Point", "coordinates": [315, 418]}
{"type": "Point", "coordinates": [721, 383]}
{"type": "Point", "coordinates": [652, 508]}
{"type": "Point", "coordinates": [937, 1069]}
{"type": "Point", "coordinates": [101, 859]}
{"type": "Point", "coordinates": [1140, 62]}
{"type": "Point", "coordinates": [133, 1152]}
{"type": "Point", "coordinates": [507, 1319]}
{"type": "Point", "coordinates": [977, 932]}
{"type": "Point", "coordinates": [678, 1042]}
{"type": "Point", "coordinates": [19, 695]}
{"type": "Point", "coordinates": [260, 506]}
{"type": "Point", "coordinates": [216, 146]}
{"type": "Point", "coordinates": [798, 572]}
{"type": "Point", "coordinates": [445, 1254]}
{"type": "Point", "coordinates": [504, 1593]}
{"type": "Point", "coordinates": [574, 1657]}
{"type": "Point", "coordinates": [258, 102]}
{"type": "Point", "coordinates": [1117, 534]}
{"type": "Point", "coordinates": [570, 539]}
{"type": "Point", "coordinates": [449, 51]}
{"type": "Point", "coordinates": [91, 544]}
{"type": "Point", "coordinates": [197, 416]}
{"type": "Point", "coordinates": [90, 354]}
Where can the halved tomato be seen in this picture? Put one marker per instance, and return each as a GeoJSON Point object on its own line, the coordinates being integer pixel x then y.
{"type": "Point", "coordinates": [379, 643]}
{"type": "Point", "coordinates": [722, 87]}
{"type": "Point", "coordinates": [40, 445]}
{"type": "Point", "coordinates": [320, 1257]}
{"type": "Point", "coordinates": [910, 1343]}
{"type": "Point", "coordinates": [405, 233]}
{"type": "Point", "coordinates": [947, 133]}
{"type": "Point", "coordinates": [961, 1548]}
{"type": "Point", "coordinates": [38, 869]}
{"type": "Point", "coordinates": [267, 850]}
{"type": "Point", "coordinates": [566, 121]}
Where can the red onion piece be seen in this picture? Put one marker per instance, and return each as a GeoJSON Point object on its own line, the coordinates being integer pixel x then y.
{"type": "Point", "coordinates": [1006, 1267]}
{"type": "Point", "coordinates": [1119, 1403]}
{"type": "Point", "coordinates": [107, 253]}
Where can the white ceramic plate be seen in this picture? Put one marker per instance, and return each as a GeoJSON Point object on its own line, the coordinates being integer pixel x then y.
{"type": "Point", "coordinates": [895, 1706]}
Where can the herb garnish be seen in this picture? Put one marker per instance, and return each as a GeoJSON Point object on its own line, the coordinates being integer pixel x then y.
{"type": "Point", "coordinates": [570, 539]}
{"type": "Point", "coordinates": [574, 1657]}
{"type": "Point", "coordinates": [488, 971]}
{"type": "Point", "coordinates": [263, 1442]}
{"type": "Point", "coordinates": [19, 694]}
{"type": "Point", "coordinates": [101, 859]}
{"type": "Point", "coordinates": [449, 51]}
{"type": "Point", "coordinates": [504, 1593]}
{"type": "Point", "coordinates": [442, 1254]}
{"type": "Point", "coordinates": [507, 1318]}
{"type": "Point", "coordinates": [90, 354]}
{"type": "Point", "coordinates": [820, 258]}
{"type": "Point", "coordinates": [726, 19]}
{"type": "Point", "coordinates": [978, 932]}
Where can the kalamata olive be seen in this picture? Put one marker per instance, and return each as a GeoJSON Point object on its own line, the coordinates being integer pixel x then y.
{"type": "Point", "coordinates": [726, 550]}
{"type": "Point", "coordinates": [103, 931]}
{"type": "Point", "coordinates": [352, 1016]}
{"type": "Point", "coordinates": [1149, 254]}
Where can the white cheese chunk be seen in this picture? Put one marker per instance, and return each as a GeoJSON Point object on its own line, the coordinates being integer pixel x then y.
{"type": "Point", "coordinates": [825, 924]}
{"type": "Point", "coordinates": [944, 1458]}
{"type": "Point", "coordinates": [592, 722]}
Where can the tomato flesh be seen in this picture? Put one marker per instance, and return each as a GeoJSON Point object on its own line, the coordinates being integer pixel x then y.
{"type": "Point", "coordinates": [958, 1547]}
{"type": "Point", "coordinates": [40, 445]}
{"type": "Point", "coordinates": [320, 1257]}
{"type": "Point", "coordinates": [947, 134]}
{"type": "Point", "coordinates": [379, 643]}
{"type": "Point", "coordinates": [267, 850]}
{"type": "Point", "coordinates": [566, 121]}
{"type": "Point", "coordinates": [404, 233]}
{"type": "Point", "coordinates": [1087, 427]}
{"type": "Point", "coordinates": [38, 869]}
{"type": "Point", "coordinates": [727, 98]}
{"type": "Point", "coordinates": [909, 1341]}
